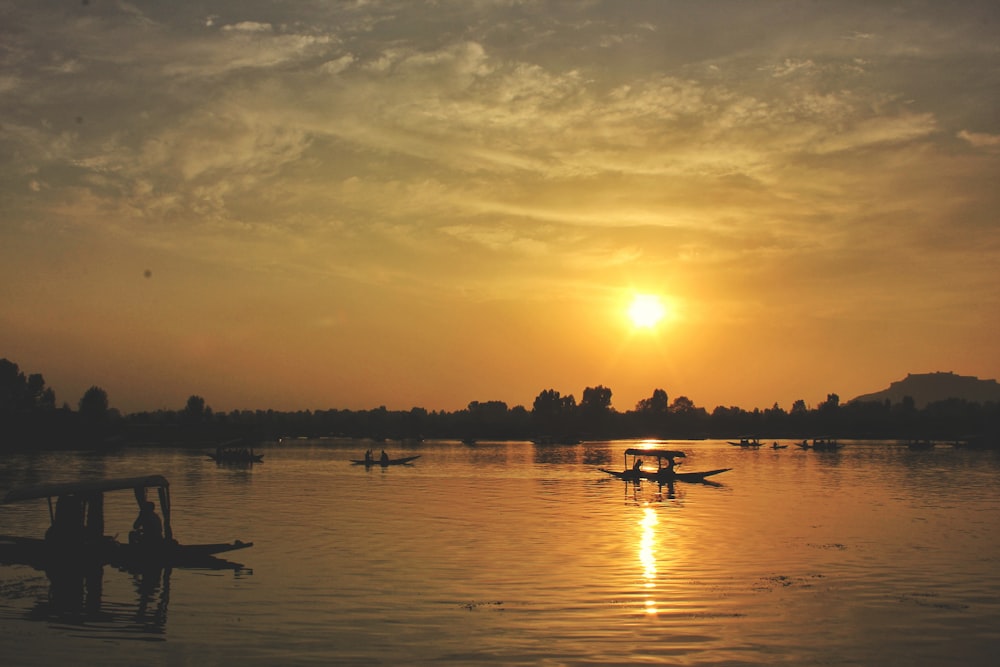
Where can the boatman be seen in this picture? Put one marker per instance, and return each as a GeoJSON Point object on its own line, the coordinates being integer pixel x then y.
{"type": "Point", "coordinates": [384, 459]}
{"type": "Point", "coordinates": [148, 527]}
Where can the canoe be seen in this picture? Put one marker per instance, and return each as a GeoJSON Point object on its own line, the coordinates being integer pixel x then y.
{"type": "Point", "coordinates": [663, 476]}
{"type": "Point", "coordinates": [390, 462]}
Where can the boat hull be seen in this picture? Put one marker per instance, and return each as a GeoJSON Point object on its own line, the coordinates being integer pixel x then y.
{"type": "Point", "coordinates": [664, 477]}
{"type": "Point", "coordinates": [43, 555]}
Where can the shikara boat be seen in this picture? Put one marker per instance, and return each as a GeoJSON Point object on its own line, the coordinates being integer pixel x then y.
{"type": "Point", "coordinates": [746, 442]}
{"type": "Point", "coordinates": [76, 534]}
{"type": "Point", "coordinates": [236, 456]}
{"type": "Point", "coordinates": [634, 472]}
{"type": "Point", "coordinates": [384, 463]}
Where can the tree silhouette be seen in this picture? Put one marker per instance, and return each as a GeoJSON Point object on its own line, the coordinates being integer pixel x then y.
{"type": "Point", "coordinates": [94, 405]}
{"type": "Point", "coordinates": [657, 404]}
{"type": "Point", "coordinates": [194, 410]}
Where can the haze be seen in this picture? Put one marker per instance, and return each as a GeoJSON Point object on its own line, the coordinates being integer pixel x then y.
{"type": "Point", "coordinates": [321, 205]}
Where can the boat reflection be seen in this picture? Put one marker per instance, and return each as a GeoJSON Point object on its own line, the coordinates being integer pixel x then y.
{"type": "Point", "coordinates": [76, 598]}
{"type": "Point", "coordinates": [79, 597]}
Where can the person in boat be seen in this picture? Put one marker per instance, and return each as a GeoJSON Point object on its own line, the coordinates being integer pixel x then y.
{"type": "Point", "coordinates": [68, 524]}
{"type": "Point", "coordinates": [148, 528]}
{"type": "Point", "coordinates": [368, 457]}
{"type": "Point", "coordinates": [637, 466]}
{"type": "Point", "coordinates": [669, 468]}
{"type": "Point", "coordinates": [384, 459]}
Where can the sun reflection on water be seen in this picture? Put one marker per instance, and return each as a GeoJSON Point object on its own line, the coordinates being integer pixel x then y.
{"type": "Point", "coordinates": [647, 556]}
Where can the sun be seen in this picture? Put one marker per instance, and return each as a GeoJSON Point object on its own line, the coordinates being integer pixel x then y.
{"type": "Point", "coordinates": [646, 311]}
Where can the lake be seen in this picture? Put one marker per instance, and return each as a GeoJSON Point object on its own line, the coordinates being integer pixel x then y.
{"type": "Point", "coordinates": [511, 553]}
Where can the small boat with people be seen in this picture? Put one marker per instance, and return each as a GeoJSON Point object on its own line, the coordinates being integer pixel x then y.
{"type": "Point", "coordinates": [751, 443]}
{"type": "Point", "coordinates": [76, 534]}
{"type": "Point", "coordinates": [665, 467]}
{"type": "Point", "coordinates": [383, 460]}
{"type": "Point", "coordinates": [236, 455]}
{"type": "Point", "coordinates": [825, 445]}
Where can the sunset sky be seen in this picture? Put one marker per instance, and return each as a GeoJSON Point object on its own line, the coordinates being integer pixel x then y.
{"type": "Point", "coordinates": [312, 205]}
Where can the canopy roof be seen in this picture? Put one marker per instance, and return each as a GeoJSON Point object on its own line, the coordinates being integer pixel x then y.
{"type": "Point", "coordinates": [659, 453]}
{"type": "Point", "coordinates": [84, 487]}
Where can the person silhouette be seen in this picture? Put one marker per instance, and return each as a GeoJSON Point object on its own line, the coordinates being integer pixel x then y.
{"type": "Point", "coordinates": [148, 529]}
{"type": "Point", "coordinates": [384, 459]}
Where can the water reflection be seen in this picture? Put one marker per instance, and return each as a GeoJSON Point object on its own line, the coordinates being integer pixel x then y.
{"type": "Point", "coordinates": [76, 597]}
{"type": "Point", "coordinates": [647, 557]}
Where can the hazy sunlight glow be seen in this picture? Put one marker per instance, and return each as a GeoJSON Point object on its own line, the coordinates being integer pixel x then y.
{"type": "Point", "coordinates": [646, 311]}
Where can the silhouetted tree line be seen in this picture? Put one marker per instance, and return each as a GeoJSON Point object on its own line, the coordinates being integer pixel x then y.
{"type": "Point", "coordinates": [29, 419]}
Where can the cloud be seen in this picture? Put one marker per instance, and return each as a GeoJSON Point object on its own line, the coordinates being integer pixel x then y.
{"type": "Point", "coordinates": [247, 26]}
{"type": "Point", "coordinates": [981, 140]}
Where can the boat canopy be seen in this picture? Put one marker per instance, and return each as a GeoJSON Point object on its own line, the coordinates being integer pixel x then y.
{"type": "Point", "coordinates": [658, 453]}
{"type": "Point", "coordinates": [85, 487]}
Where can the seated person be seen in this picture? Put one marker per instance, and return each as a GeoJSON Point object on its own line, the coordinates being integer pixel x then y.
{"type": "Point", "coordinates": [148, 529]}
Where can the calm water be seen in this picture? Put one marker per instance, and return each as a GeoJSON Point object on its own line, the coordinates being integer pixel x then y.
{"type": "Point", "coordinates": [508, 553]}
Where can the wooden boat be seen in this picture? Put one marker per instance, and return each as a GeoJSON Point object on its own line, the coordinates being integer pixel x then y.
{"type": "Point", "coordinates": [917, 445]}
{"type": "Point", "coordinates": [388, 462]}
{"type": "Point", "coordinates": [236, 456]}
{"type": "Point", "coordinates": [76, 533]}
{"type": "Point", "coordinates": [826, 445]}
{"type": "Point", "coordinates": [745, 442]}
{"type": "Point", "coordinates": [662, 475]}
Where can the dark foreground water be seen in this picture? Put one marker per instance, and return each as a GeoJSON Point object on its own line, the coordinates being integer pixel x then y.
{"type": "Point", "coordinates": [510, 553]}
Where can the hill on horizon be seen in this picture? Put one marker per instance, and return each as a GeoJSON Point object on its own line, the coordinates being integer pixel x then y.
{"type": "Point", "coordinates": [926, 388]}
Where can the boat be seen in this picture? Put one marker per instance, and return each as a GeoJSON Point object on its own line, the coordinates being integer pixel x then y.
{"type": "Point", "coordinates": [222, 455]}
{"type": "Point", "coordinates": [918, 445]}
{"type": "Point", "coordinates": [745, 442]}
{"type": "Point", "coordinates": [76, 533]}
{"type": "Point", "coordinates": [826, 445]}
{"type": "Point", "coordinates": [662, 475]}
{"type": "Point", "coordinates": [369, 463]}
{"type": "Point", "coordinates": [777, 446]}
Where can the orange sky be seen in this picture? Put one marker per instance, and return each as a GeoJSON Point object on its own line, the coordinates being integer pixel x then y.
{"type": "Point", "coordinates": [347, 205]}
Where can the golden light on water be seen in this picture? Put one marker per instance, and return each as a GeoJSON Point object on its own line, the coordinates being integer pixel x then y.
{"type": "Point", "coordinates": [647, 555]}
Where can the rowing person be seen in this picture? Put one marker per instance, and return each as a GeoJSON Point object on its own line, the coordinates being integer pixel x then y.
{"type": "Point", "coordinates": [384, 459]}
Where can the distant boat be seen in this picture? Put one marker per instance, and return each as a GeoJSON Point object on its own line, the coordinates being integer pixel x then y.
{"type": "Point", "coordinates": [826, 445]}
{"type": "Point", "coordinates": [777, 446]}
{"type": "Point", "coordinates": [556, 440]}
{"type": "Point", "coordinates": [236, 456]}
{"type": "Point", "coordinates": [916, 445]}
{"type": "Point", "coordinates": [745, 442]}
{"type": "Point", "coordinates": [384, 463]}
